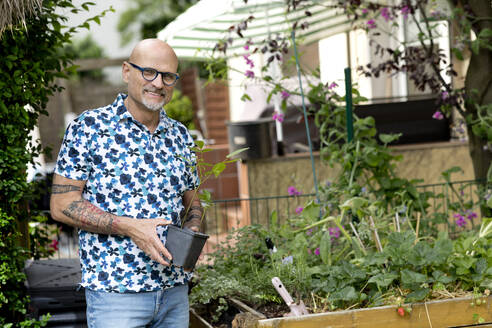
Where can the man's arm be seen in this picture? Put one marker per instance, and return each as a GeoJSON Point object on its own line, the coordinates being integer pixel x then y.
{"type": "Point", "coordinates": [193, 219]}
{"type": "Point", "coordinates": [68, 206]}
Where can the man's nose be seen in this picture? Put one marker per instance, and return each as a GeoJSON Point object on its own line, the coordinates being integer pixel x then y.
{"type": "Point", "coordinates": [158, 82]}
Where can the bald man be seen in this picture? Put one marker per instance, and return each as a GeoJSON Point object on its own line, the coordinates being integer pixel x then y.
{"type": "Point", "coordinates": [122, 175]}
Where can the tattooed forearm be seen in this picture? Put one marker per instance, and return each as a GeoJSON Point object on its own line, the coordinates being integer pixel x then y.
{"type": "Point", "coordinates": [61, 189]}
{"type": "Point", "coordinates": [89, 217]}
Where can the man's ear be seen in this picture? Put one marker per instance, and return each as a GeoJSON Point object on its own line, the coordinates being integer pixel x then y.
{"type": "Point", "coordinates": [125, 71]}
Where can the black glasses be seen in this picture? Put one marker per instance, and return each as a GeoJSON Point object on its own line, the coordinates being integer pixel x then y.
{"type": "Point", "coordinates": [150, 75]}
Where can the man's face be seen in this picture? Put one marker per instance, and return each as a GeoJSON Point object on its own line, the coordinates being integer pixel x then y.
{"type": "Point", "coordinates": [152, 95]}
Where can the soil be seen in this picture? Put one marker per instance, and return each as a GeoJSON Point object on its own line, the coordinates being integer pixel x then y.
{"type": "Point", "coordinates": [271, 310]}
{"type": "Point", "coordinates": [225, 320]}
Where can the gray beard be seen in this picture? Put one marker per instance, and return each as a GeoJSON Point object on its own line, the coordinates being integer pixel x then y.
{"type": "Point", "coordinates": [154, 107]}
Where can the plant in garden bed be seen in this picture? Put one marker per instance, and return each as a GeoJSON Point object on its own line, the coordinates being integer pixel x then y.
{"type": "Point", "coordinates": [330, 272]}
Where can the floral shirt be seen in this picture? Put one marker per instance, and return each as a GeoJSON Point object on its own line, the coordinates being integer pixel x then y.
{"type": "Point", "coordinates": [128, 172]}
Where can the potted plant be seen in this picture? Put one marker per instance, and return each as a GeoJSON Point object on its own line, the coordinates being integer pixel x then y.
{"type": "Point", "coordinates": [186, 245]}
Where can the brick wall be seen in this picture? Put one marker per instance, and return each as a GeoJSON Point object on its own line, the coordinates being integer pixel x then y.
{"type": "Point", "coordinates": [225, 186]}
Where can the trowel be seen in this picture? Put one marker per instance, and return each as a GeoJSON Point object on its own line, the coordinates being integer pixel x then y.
{"type": "Point", "coordinates": [296, 310]}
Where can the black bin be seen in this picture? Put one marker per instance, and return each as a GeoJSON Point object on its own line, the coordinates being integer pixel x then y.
{"type": "Point", "coordinates": [254, 135]}
{"type": "Point", "coordinates": [53, 288]}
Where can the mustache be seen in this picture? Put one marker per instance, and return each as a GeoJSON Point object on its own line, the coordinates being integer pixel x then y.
{"type": "Point", "coordinates": [155, 90]}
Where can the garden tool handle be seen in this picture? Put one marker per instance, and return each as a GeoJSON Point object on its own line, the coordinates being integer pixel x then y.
{"type": "Point", "coordinates": [279, 286]}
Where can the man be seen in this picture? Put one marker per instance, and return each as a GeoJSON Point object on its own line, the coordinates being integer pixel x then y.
{"type": "Point", "coordinates": [122, 175]}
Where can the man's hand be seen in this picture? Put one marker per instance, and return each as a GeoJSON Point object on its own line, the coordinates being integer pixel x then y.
{"type": "Point", "coordinates": [192, 226]}
{"type": "Point", "coordinates": [144, 233]}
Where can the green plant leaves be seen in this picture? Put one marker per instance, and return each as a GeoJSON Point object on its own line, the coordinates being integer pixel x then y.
{"type": "Point", "coordinates": [345, 294]}
{"type": "Point", "coordinates": [218, 168]}
{"type": "Point", "coordinates": [409, 278]}
{"type": "Point", "coordinates": [383, 280]}
{"type": "Point", "coordinates": [325, 248]}
{"type": "Point", "coordinates": [236, 152]}
{"type": "Point", "coordinates": [388, 138]}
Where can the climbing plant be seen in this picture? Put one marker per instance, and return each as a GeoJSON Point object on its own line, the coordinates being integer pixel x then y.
{"type": "Point", "coordinates": [31, 63]}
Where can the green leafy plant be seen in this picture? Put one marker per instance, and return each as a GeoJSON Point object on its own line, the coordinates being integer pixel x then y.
{"type": "Point", "coordinates": [206, 170]}
{"type": "Point", "coordinates": [180, 108]}
{"type": "Point", "coordinates": [31, 62]}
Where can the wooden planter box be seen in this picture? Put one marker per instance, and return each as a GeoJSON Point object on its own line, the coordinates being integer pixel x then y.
{"type": "Point", "coordinates": [449, 313]}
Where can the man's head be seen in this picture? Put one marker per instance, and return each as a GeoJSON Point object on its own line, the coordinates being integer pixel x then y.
{"type": "Point", "coordinates": [155, 54]}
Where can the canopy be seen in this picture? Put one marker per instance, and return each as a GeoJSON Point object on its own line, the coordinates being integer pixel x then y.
{"type": "Point", "coordinates": [195, 32]}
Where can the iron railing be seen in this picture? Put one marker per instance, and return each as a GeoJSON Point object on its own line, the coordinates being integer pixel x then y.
{"type": "Point", "coordinates": [225, 215]}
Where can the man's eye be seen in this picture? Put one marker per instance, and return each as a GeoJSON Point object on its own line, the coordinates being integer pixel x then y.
{"type": "Point", "coordinates": [149, 72]}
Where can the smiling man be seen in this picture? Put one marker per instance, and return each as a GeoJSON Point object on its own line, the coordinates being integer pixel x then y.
{"type": "Point", "coordinates": [122, 175]}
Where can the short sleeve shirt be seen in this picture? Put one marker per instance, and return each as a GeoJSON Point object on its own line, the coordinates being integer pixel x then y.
{"type": "Point", "coordinates": [128, 172]}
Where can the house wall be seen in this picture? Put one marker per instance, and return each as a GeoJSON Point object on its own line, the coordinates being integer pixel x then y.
{"type": "Point", "coordinates": [272, 176]}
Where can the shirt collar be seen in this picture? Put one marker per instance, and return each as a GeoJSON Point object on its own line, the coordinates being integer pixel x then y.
{"type": "Point", "coordinates": [121, 112]}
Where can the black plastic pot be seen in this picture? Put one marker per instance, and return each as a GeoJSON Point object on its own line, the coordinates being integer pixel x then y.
{"type": "Point", "coordinates": [185, 246]}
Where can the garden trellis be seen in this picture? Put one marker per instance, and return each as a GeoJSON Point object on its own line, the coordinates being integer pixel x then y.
{"type": "Point", "coordinates": [195, 33]}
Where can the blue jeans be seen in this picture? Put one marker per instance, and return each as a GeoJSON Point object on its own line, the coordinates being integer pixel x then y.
{"type": "Point", "coordinates": [166, 308]}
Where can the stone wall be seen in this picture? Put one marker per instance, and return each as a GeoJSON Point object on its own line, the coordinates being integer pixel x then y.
{"type": "Point", "coordinates": [272, 176]}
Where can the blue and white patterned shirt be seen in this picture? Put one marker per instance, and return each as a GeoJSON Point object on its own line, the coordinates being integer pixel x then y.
{"type": "Point", "coordinates": [129, 172]}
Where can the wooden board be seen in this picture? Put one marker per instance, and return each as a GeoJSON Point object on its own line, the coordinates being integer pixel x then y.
{"type": "Point", "coordinates": [436, 314]}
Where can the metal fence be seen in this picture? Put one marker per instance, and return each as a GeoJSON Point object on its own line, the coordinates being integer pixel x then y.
{"type": "Point", "coordinates": [225, 215]}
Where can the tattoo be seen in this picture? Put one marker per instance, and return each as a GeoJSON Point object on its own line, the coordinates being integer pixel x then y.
{"type": "Point", "coordinates": [193, 216]}
{"type": "Point", "coordinates": [62, 189]}
{"type": "Point", "coordinates": [90, 217]}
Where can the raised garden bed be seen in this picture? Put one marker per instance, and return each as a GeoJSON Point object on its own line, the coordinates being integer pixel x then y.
{"type": "Point", "coordinates": [458, 312]}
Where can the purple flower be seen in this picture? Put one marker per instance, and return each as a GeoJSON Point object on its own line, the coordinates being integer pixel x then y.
{"type": "Point", "coordinates": [249, 61]}
{"type": "Point", "coordinates": [405, 10]}
{"type": "Point", "coordinates": [248, 43]}
{"type": "Point", "coordinates": [386, 14]}
{"type": "Point", "coordinates": [299, 209]}
{"type": "Point", "coordinates": [444, 95]}
{"type": "Point", "coordinates": [332, 85]}
{"type": "Point", "coordinates": [250, 74]}
{"type": "Point", "coordinates": [371, 23]}
{"type": "Point", "coordinates": [292, 191]}
{"type": "Point", "coordinates": [309, 232]}
{"type": "Point", "coordinates": [316, 251]}
{"type": "Point", "coordinates": [470, 215]}
{"type": "Point", "coordinates": [334, 232]}
{"type": "Point", "coordinates": [364, 11]}
{"type": "Point", "coordinates": [460, 222]}
{"type": "Point", "coordinates": [438, 115]}
{"type": "Point", "coordinates": [278, 116]}
{"type": "Point", "coordinates": [285, 94]}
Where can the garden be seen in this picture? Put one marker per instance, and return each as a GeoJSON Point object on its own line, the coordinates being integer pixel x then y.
{"type": "Point", "coordinates": [369, 248]}
{"type": "Point", "coordinates": [367, 240]}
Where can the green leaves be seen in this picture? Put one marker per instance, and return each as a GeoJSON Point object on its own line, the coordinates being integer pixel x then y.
{"type": "Point", "coordinates": [32, 60]}
{"type": "Point", "coordinates": [325, 248]}
{"type": "Point", "coordinates": [218, 168]}
{"type": "Point", "coordinates": [388, 138]}
{"type": "Point", "coordinates": [383, 280]}
{"type": "Point", "coordinates": [236, 152]}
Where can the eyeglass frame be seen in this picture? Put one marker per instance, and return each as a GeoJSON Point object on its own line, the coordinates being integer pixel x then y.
{"type": "Point", "coordinates": [142, 69]}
